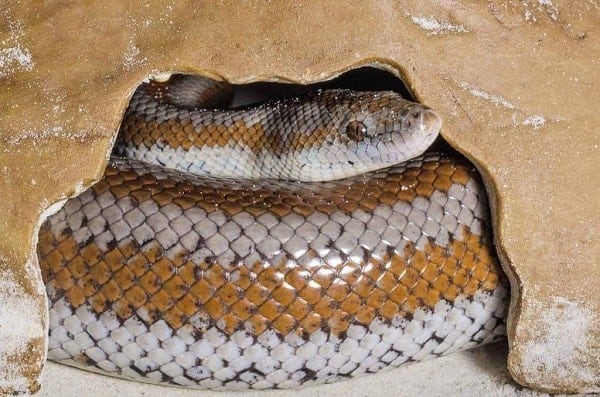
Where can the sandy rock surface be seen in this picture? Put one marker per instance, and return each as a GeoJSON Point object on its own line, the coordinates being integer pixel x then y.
{"type": "Point", "coordinates": [517, 83]}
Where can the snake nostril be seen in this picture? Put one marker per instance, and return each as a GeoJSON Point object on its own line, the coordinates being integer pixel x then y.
{"type": "Point", "coordinates": [356, 130]}
{"type": "Point", "coordinates": [431, 121]}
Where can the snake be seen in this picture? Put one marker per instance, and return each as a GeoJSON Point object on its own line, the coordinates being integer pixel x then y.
{"type": "Point", "coordinates": [293, 242]}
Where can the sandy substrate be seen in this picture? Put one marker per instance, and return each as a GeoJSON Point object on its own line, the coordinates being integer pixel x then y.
{"type": "Point", "coordinates": [472, 373]}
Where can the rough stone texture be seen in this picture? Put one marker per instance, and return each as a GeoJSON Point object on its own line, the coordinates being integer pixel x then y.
{"type": "Point", "coordinates": [517, 83]}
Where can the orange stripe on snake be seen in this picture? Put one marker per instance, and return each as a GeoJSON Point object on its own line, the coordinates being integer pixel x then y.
{"type": "Point", "coordinates": [211, 282]}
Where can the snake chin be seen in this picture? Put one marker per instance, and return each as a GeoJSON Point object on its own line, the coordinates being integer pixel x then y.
{"type": "Point", "coordinates": [431, 124]}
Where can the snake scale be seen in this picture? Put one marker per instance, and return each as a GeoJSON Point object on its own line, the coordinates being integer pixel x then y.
{"type": "Point", "coordinates": [295, 242]}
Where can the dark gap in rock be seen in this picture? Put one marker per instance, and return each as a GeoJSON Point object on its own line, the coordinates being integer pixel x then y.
{"type": "Point", "coordinates": [366, 78]}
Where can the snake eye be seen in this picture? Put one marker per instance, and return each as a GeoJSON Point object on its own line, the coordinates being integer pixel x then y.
{"type": "Point", "coordinates": [356, 130]}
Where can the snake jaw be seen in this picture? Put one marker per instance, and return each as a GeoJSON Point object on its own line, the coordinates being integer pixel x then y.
{"type": "Point", "coordinates": [421, 127]}
{"type": "Point", "coordinates": [431, 123]}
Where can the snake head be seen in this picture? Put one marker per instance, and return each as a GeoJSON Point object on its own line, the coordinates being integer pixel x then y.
{"type": "Point", "coordinates": [380, 129]}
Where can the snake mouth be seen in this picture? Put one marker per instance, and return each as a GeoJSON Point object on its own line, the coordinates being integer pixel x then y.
{"type": "Point", "coordinates": [412, 130]}
{"type": "Point", "coordinates": [431, 123]}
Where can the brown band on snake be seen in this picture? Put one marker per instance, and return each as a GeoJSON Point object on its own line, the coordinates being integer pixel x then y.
{"type": "Point", "coordinates": [248, 129]}
{"type": "Point", "coordinates": [321, 136]}
{"type": "Point", "coordinates": [144, 280]}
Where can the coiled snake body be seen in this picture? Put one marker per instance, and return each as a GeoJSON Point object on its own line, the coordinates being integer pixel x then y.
{"type": "Point", "coordinates": [264, 281]}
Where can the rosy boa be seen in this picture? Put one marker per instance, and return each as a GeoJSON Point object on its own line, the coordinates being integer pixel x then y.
{"type": "Point", "coordinates": [263, 281]}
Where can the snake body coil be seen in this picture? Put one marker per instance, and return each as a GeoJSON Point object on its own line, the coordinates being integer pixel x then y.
{"type": "Point", "coordinates": [208, 281]}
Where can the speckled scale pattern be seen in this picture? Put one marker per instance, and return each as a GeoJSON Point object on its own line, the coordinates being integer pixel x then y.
{"type": "Point", "coordinates": [157, 275]}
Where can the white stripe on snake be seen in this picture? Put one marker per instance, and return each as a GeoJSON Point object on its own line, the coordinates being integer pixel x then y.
{"type": "Point", "coordinates": [316, 242]}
